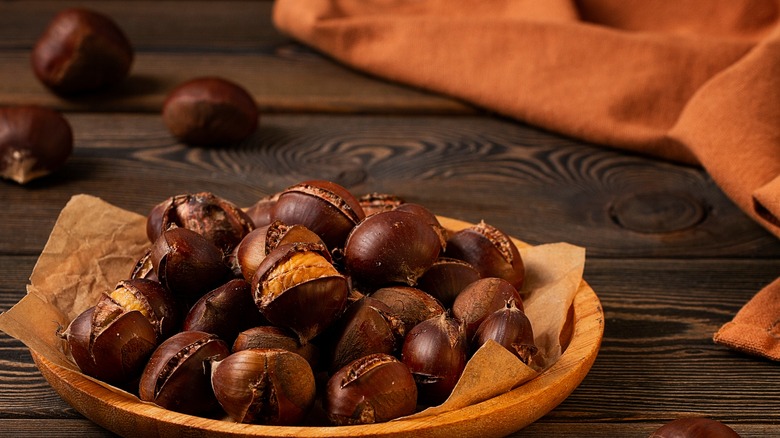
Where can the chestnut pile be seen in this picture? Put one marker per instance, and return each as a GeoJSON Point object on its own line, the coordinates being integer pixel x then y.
{"type": "Point", "coordinates": [311, 307]}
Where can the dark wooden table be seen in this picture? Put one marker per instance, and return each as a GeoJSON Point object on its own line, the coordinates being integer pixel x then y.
{"type": "Point", "coordinates": [669, 255]}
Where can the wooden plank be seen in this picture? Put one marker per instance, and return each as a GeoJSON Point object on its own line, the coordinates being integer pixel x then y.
{"type": "Point", "coordinates": [532, 184]}
{"type": "Point", "coordinates": [178, 40]}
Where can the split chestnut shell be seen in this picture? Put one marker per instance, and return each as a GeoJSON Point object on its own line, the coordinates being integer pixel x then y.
{"type": "Point", "coordinates": [490, 251]}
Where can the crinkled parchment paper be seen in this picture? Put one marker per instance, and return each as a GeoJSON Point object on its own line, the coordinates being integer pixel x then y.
{"type": "Point", "coordinates": [94, 245]}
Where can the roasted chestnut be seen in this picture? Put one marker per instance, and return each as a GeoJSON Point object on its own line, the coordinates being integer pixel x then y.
{"type": "Point", "coordinates": [411, 305]}
{"type": "Point", "coordinates": [391, 247]}
{"type": "Point", "coordinates": [81, 51]}
{"type": "Point", "coordinates": [446, 278]}
{"type": "Point", "coordinates": [188, 264]}
{"type": "Point", "coordinates": [34, 141]}
{"type": "Point", "coordinates": [178, 375]}
{"type": "Point", "coordinates": [324, 207]}
{"type": "Point", "coordinates": [372, 389]}
{"type": "Point", "coordinates": [144, 268]}
{"type": "Point", "coordinates": [480, 299]}
{"type": "Point", "coordinates": [224, 311]}
{"type": "Point", "coordinates": [297, 287]}
{"type": "Point", "coordinates": [260, 211]}
{"type": "Point", "coordinates": [435, 351]}
{"type": "Point", "coordinates": [210, 111]}
{"type": "Point", "coordinates": [267, 336]}
{"type": "Point", "coordinates": [429, 217]}
{"type": "Point", "coordinates": [218, 220]}
{"type": "Point", "coordinates": [376, 202]}
{"type": "Point", "coordinates": [264, 386]}
{"type": "Point", "coordinates": [253, 248]}
{"type": "Point", "coordinates": [490, 251]}
{"type": "Point", "coordinates": [109, 343]}
{"type": "Point", "coordinates": [694, 427]}
{"type": "Point", "coordinates": [367, 327]}
{"type": "Point", "coordinates": [510, 328]}
{"type": "Point", "coordinates": [150, 298]}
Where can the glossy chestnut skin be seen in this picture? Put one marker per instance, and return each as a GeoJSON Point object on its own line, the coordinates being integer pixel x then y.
{"type": "Point", "coordinates": [260, 211]}
{"type": "Point", "coordinates": [210, 111]}
{"type": "Point", "coordinates": [480, 299]}
{"type": "Point", "coordinates": [324, 207]}
{"type": "Point", "coordinates": [490, 251]}
{"type": "Point", "coordinates": [264, 386]}
{"type": "Point", "coordinates": [429, 217]}
{"type": "Point", "coordinates": [297, 287]}
{"type": "Point", "coordinates": [224, 311]}
{"type": "Point", "coordinates": [411, 305]}
{"type": "Point", "coordinates": [367, 327]}
{"type": "Point", "coordinates": [267, 336]}
{"type": "Point", "coordinates": [34, 142]}
{"type": "Point", "coordinates": [435, 351]}
{"type": "Point", "coordinates": [446, 278]}
{"type": "Point", "coordinates": [511, 329]}
{"type": "Point", "coordinates": [144, 268]}
{"type": "Point", "coordinates": [188, 264]}
{"type": "Point", "coordinates": [694, 427]}
{"type": "Point", "coordinates": [81, 51]}
{"type": "Point", "coordinates": [217, 219]}
{"type": "Point", "coordinates": [178, 376]}
{"type": "Point", "coordinates": [110, 345]}
{"type": "Point", "coordinates": [372, 389]}
{"type": "Point", "coordinates": [391, 247]}
{"type": "Point", "coordinates": [153, 300]}
{"type": "Point", "coordinates": [256, 245]}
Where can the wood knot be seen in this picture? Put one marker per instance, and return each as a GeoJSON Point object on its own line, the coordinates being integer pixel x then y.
{"type": "Point", "coordinates": [657, 212]}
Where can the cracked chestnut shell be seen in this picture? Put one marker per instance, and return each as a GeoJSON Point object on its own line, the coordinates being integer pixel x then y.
{"type": "Point", "coordinates": [210, 111]}
{"type": "Point", "coordinates": [446, 278]}
{"type": "Point", "coordinates": [256, 245]}
{"type": "Point", "coordinates": [264, 386]}
{"type": "Point", "coordinates": [435, 351]}
{"type": "Point", "coordinates": [694, 427]}
{"type": "Point", "coordinates": [34, 142]}
{"type": "Point", "coordinates": [217, 219]}
{"type": "Point", "coordinates": [376, 202]}
{"type": "Point", "coordinates": [109, 343]}
{"type": "Point", "coordinates": [224, 311]}
{"type": "Point", "coordinates": [324, 207]}
{"type": "Point", "coordinates": [260, 211]}
{"type": "Point", "coordinates": [511, 329]}
{"type": "Point", "coordinates": [391, 247]}
{"type": "Point", "coordinates": [268, 336]}
{"type": "Point", "coordinates": [188, 264]}
{"type": "Point", "coordinates": [409, 304]}
{"type": "Point", "coordinates": [81, 51]}
{"type": "Point", "coordinates": [297, 287]}
{"type": "Point", "coordinates": [490, 251]}
{"type": "Point", "coordinates": [144, 268]}
{"type": "Point", "coordinates": [150, 298]}
{"type": "Point", "coordinates": [372, 389]}
{"type": "Point", "coordinates": [480, 299]}
{"type": "Point", "coordinates": [178, 374]}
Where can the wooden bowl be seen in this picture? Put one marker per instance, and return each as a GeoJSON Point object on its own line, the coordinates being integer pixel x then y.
{"type": "Point", "coordinates": [498, 416]}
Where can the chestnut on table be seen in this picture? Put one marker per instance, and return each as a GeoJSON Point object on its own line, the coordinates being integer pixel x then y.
{"type": "Point", "coordinates": [670, 257]}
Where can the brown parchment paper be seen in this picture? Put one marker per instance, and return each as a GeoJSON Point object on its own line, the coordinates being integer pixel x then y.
{"type": "Point", "coordinates": [94, 245]}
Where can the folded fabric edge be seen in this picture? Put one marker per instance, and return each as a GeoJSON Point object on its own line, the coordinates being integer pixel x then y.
{"type": "Point", "coordinates": [766, 203]}
{"type": "Point", "coordinates": [749, 339]}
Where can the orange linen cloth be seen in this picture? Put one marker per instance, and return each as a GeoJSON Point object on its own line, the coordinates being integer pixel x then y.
{"type": "Point", "coordinates": [695, 81]}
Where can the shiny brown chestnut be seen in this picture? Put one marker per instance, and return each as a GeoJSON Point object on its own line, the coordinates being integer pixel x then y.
{"type": "Point", "coordinates": [430, 218]}
{"type": "Point", "coordinates": [376, 202]}
{"type": "Point", "coordinates": [511, 329]}
{"type": "Point", "coordinates": [264, 386]}
{"type": "Point", "coordinates": [217, 219]}
{"type": "Point", "coordinates": [372, 389]}
{"type": "Point", "coordinates": [435, 351]}
{"type": "Point", "coordinates": [255, 246]}
{"type": "Point", "coordinates": [324, 207]}
{"type": "Point", "coordinates": [178, 375]}
{"type": "Point", "coordinates": [144, 268]}
{"type": "Point", "coordinates": [210, 111]}
{"type": "Point", "coordinates": [694, 427]}
{"type": "Point", "coordinates": [480, 299]}
{"type": "Point", "coordinates": [81, 51]}
{"type": "Point", "coordinates": [268, 336]}
{"type": "Point", "coordinates": [446, 278]}
{"type": "Point", "coordinates": [188, 264]}
{"type": "Point", "coordinates": [110, 344]}
{"type": "Point", "coordinates": [490, 251]}
{"type": "Point", "coordinates": [409, 304]}
{"type": "Point", "coordinates": [153, 300]}
{"type": "Point", "coordinates": [260, 211]}
{"type": "Point", "coordinates": [224, 311]}
{"type": "Point", "coordinates": [367, 327]}
{"type": "Point", "coordinates": [391, 247]}
{"type": "Point", "coordinates": [297, 287]}
{"type": "Point", "coordinates": [34, 142]}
